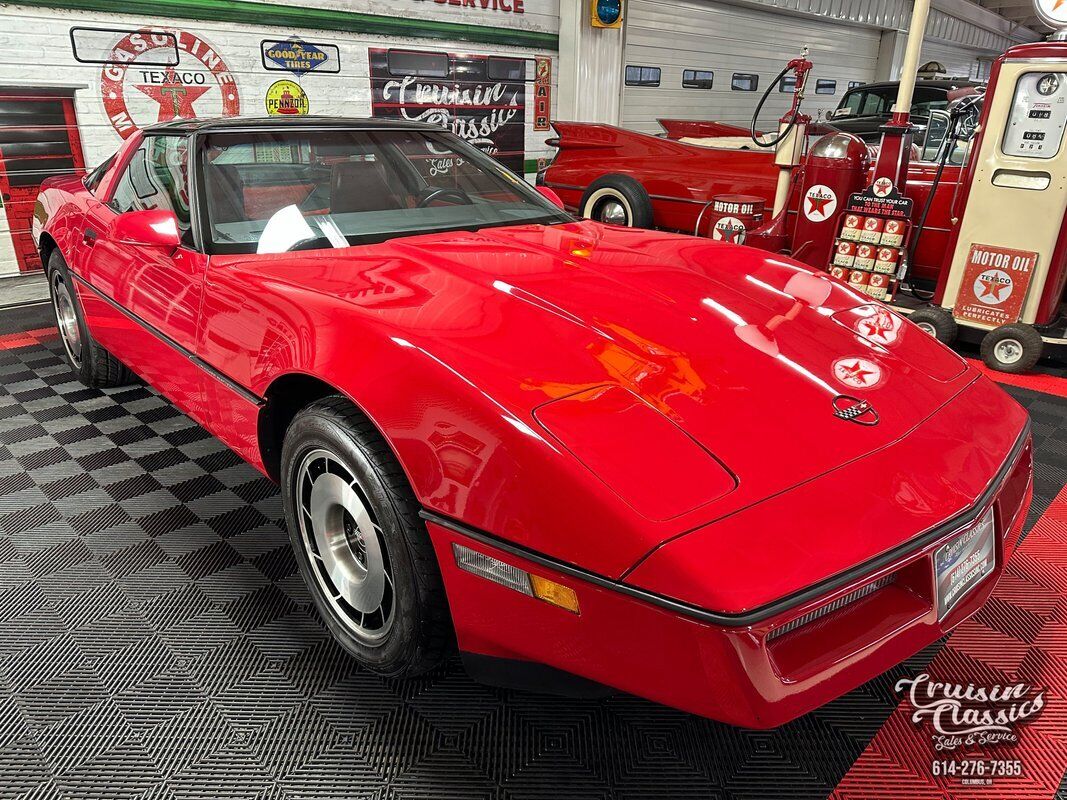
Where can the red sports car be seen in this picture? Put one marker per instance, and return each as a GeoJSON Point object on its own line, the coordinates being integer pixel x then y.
{"type": "Point", "coordinates": [587, 455]}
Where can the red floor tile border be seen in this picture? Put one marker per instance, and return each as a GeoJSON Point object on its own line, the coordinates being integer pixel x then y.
{"type": "Point", "coordinates": [898, 761]}
{"type": "Point", "coordinates": [1035, 381]}
{"type": "Point", "coordinates": [9, 341]}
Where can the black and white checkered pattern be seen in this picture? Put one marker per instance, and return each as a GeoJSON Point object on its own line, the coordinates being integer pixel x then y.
{"type": "Point", "coordinates": [157, 642]}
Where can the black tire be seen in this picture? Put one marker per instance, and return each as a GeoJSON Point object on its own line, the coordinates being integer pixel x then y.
{"type": "Point", "coordinates": [419, 634]}
{"type": "Point", "coordinates": [93, 364]}
{"type": "Point", "coordinates": [938, 322]}
{"type": "Point", "coordinates": [1012, 348]}
{"type": "Point", "coordinates": [622, 190]}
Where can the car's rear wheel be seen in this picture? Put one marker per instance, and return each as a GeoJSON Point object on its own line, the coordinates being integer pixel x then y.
{"type": "Point", "coordinates": [362, 549]}
{"type": "Point", "coordinates": [617, 200]}
{"type": "Point", "coordinates": [93, 364]}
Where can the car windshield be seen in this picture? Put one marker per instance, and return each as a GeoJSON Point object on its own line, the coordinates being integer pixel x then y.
{"type": "Point", "coordinates": [273, 192]}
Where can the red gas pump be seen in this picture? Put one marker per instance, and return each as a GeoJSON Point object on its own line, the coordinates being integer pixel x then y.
{"type": "Point", "coordinates": [1005, 266]}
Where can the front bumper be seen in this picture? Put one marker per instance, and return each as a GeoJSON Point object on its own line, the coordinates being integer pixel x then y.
{"type": "Point", "coordinates": [760, 674]}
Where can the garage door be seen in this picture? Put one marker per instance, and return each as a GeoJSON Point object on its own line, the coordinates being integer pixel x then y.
{"type": "Point", "coordinates": [960, 62]}
{"type": "Point", "coordinates": [696, 52]}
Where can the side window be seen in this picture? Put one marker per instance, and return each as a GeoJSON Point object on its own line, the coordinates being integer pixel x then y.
{"type": "Point", "coordinates": [744, 82]}
{"type": "Point", "coordinates": [642, 76]}
{"type": "Point", "coordinates": [877, 103]}
{"type": "Point", "coordinates": [698, 79]}
{"type": "Point", "coordinates": [93, 179]}
{"type": "Point", "coordinates": [156, 177]}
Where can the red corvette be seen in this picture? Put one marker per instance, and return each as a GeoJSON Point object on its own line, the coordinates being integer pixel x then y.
{"type": "Point", "coordinates": [693, 471]}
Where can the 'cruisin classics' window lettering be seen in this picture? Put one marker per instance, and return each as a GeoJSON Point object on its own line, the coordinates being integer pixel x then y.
{"type": "Point", "coordinates": [490, 114]}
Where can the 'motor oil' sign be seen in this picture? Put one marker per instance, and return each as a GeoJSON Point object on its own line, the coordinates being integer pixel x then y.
{"type": "Point", "coordinates": [994, 284]}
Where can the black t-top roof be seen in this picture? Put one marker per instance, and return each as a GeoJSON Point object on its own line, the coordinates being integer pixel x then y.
{"type": "Point", "coordinates": [222, 124]}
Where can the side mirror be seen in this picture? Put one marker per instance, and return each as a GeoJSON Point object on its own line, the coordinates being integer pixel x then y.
{"type": "Point", "coordinates": [550, 196]}
{"type": "Point", "coordinates": [154, 228]}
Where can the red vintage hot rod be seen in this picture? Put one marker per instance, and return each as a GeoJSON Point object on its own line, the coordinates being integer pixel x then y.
{"type": "Point", "coordinates": [624, 177]}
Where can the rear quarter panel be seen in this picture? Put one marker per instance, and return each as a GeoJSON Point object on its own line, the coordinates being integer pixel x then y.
{"type": "Point", "coordinates": [680, 178]}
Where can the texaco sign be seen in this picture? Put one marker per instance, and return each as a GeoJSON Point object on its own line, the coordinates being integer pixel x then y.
{"type": "Point", "coordinates": [201, 84]}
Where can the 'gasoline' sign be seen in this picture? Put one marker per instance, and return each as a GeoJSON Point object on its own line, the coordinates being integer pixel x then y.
{"type": "Point", "coordinates": [994, 284]}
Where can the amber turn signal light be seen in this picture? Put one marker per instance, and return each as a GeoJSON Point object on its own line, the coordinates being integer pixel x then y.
{"type": "Point", "coordinates": [555, 593]}
{"type": "Point", "coordinates": [504, 574]}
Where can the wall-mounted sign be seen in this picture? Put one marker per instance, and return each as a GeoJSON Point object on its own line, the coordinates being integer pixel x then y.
{"type": "Point", "coordinates": [138, 93]}
{"type": "Point", "coordinates": [457, 93]}
{"type": "Point", "coordinates": [543, 94]}
{"type": "Point", "coordinates": [96, 46]}
{"type": "Point", "coordinates": [300, 57]}
{"type": "Point", "coordinates": [510, 6]}
{"type": "Point", "coordinates": [286, 98]}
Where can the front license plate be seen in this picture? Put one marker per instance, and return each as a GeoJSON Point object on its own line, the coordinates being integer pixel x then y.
{"type": "Point", "coordinates": [961, 564]}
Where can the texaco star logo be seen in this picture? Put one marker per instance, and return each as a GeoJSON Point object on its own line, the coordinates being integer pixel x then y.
{"type": "Point", "coordinates": [881, 327]}
{"type": "Point", "coordinates": [882, 187]}
{"type": "Point", "coordinates": [858, 373]}
{"type": "Point", "coordinates": [820, 202]}
{"type": "Point", "coordinates": [200, 85]}
{"type": "Point", "coordinates": [993, 287]}
{"type": "Point", "coordinates": [729, 229]}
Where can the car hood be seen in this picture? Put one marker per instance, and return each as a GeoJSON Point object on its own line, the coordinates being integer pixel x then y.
{"type": "Point", "coordinates": [743, 351]}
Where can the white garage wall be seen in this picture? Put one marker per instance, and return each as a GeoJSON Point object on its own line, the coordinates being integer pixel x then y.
{"type": "Point", "coordinates": [689, 34]}
{"type": "Point", "coordinates": [960, 62]}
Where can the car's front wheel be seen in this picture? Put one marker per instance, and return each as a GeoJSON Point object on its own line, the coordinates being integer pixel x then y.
{"type": "Point", "coordinates": [92, 363]}
{"type": "Point", "coordinates": [362, 549]}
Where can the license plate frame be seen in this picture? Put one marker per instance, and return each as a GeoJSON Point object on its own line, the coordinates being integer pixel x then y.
{"type": "Point", "coordinates": [963, 563]}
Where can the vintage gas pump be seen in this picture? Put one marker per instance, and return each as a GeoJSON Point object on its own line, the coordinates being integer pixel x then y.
{"type": "Point", "coordinates": [1006, 262]}
{"type": "Point", "coordinates": [788, 154]}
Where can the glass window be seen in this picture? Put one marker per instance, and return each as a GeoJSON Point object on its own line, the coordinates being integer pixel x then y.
{"type": "Point", "coordinates": [423, 65]}
{"type": "Point", "coordinates": [156, 178]}
{"type": "Point", "coordinates": [927, 99]}
{"type": "Point", "coordinates": [272, 192]}
{"type": "Point", "coordinates": [509, 69]}
{"type": "Point", "coordinates": [867, 103]}
{"type": "Point", "coordinates": [825, 86]}
{"type": "Point", "coordinates": [855, 84]}
{"type": "Point", "coordinates": [697, 79]}
{"type": "Point", "coordinates": [788, 83]}
{"type": "Point", "coordinates": [93, 179]}
{"type": "Point", "coordinates": [744, 82]}
{"type": "Point", "coordinates": [642, 76]}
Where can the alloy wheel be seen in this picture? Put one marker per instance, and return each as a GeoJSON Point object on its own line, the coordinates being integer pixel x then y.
{"type": "Point", "coordinates": [67, 319]}
{"type": "Point", "coordinates": [342, 537]}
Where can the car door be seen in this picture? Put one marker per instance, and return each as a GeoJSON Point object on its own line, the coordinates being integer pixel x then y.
{"type": "Point", "coordinates": [147, 298]}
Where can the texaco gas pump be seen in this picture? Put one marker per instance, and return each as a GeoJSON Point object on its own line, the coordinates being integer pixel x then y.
{"type": "Point", "coordinates": [1006, 262]}
{"type": "Point", "coordinates": [1007, 259]}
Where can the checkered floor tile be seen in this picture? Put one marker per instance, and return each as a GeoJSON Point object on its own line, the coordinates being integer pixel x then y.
{"type": "Point", "coordinates": [156, 642]}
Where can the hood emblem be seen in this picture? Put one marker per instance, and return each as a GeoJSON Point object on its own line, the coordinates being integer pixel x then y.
{"type": "Point", "coordinates": [854, 410]}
